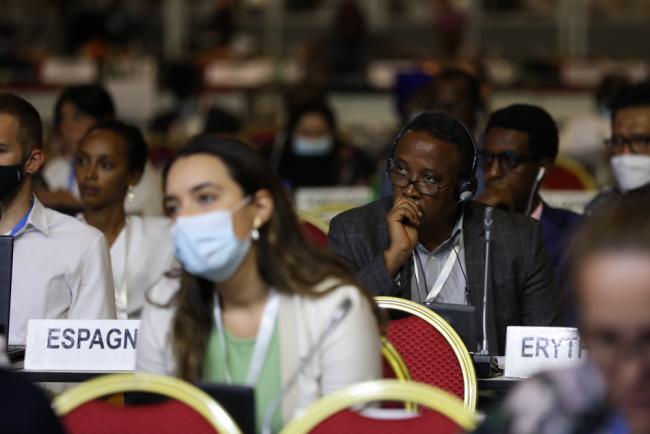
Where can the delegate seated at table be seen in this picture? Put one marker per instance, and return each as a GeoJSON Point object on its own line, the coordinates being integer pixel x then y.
{"type": "Point", "coordinates": [61, 267]}
{"type": "Point", "coordinates": [430, 226]}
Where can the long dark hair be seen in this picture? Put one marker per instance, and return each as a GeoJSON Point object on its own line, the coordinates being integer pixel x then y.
{"type": "Point", "coordinates": [285, 260]}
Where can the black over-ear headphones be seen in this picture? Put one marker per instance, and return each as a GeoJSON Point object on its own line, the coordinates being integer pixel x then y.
{"type": "Point", "coordinates": [466, 186]}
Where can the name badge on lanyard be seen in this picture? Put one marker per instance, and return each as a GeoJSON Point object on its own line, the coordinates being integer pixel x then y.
{"type": "Point", "coordinates": [444, 273]}
{"type": "Point", "coordinates": [262, 341]}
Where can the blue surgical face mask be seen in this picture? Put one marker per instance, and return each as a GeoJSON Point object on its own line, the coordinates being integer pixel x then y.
{"type": "Point", "coordinates": [207, 246]}
{"type": "Point", "coordinates": [312, 146]}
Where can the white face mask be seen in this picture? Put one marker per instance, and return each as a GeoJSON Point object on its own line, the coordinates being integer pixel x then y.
{"type": "Point", "coordinates": [631, 170]}
{"type": "Point", "coordinates": [312, 146]}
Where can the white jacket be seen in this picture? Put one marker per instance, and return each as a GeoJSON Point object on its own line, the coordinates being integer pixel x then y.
{"type": "Point", "coordinates": [349, 355]}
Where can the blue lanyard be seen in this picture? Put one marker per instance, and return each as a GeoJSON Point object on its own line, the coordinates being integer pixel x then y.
{"type": "Point", "coordinates": [23, 221]}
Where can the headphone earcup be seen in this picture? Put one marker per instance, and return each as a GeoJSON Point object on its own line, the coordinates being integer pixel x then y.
{"type": "Point", "coordinates": [466, 188]}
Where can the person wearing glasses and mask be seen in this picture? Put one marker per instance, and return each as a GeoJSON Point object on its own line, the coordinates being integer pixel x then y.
{"type": "Point", "coordinates": [427, 242]}
{"type": "Point", "coordinates": [255, 298]}
{"type": "Point", "coordinates": [610, 393]}
{"type": "Point", "coordinates": [629, 147]}
{"type": "Point", "coordinates": [519, 149]}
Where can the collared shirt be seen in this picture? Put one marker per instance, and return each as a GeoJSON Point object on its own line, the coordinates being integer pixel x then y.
{"type": "Point", "coordinates": [431, 264]}
{"type": "Point", "coordinates": [61, 269]}
{"type": "Point", "coordinates": [141, 255]}
{"type": "Point", "coordinates": [537, 212]}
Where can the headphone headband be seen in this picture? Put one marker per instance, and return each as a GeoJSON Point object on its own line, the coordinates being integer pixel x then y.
{"type": "Point", "coordinates": [466, 186]}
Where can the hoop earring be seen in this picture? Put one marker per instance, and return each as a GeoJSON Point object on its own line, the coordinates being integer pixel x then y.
{"type": "Point", "coordinates": [130, 194]}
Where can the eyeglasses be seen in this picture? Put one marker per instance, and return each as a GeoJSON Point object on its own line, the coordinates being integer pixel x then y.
{"type": "Point", "coordinates": [399, 176]}
{"type": "Point", "coordinates": [637, 143]}
{"type": "Point", "coordinates": [507, 159]}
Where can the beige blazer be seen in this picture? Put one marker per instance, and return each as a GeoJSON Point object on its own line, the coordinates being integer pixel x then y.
{"type": "Point", "coordinates": [349, 355]}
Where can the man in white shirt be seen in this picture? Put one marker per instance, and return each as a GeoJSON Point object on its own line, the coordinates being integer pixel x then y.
{"type": "Point", "coordinates": [61, 267]}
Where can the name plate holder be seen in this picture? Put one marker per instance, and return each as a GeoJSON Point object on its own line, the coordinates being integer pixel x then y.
{"type": "Point", "coordinates": [530, 350]}
{"type": "Point", "coordinates": [81, 345]}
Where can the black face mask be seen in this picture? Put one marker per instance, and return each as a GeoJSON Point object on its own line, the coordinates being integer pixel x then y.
{"type": "Point", "coordinates": [10, 179]}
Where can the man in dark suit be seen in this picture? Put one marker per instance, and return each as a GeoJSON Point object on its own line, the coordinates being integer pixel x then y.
{"type": "Point", "coordinates": [427, 242]}
{"type": "Point", "coordinates": [520, 147]}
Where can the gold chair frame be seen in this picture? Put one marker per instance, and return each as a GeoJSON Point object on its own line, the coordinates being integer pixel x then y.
{"type": "Point", "coordinates": [394, 360]}
{"type": "Point", "coordinates": [174, 388]}
{"type": "Point", "coordinates": [443, 327]}
{"type": "Point", "coordinates": [382, 390]}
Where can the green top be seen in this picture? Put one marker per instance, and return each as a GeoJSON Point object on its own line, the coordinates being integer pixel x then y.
{"type": "Point", "coordinates": [240, 352]}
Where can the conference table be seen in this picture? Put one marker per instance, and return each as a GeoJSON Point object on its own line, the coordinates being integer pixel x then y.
{"type": "Point", "coordinates": [499, 384]}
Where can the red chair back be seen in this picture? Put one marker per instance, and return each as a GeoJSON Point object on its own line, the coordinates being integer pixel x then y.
{"type": "Point", "coordinates": [351, 422]}
{"type": "Point", "coordinates": [169, 417]}
{"type": "Point", "coordinates": [313, 234]}
{"type": "Point", "coordinates": [429, 357]}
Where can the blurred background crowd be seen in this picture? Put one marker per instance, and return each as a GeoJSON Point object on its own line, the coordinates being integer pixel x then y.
{"type": "Point", "coordinates": [332, 79]}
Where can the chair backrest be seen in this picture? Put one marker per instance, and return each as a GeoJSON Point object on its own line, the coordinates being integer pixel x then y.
{"type": "Point", "coordinates": [313, 229]}
{"type": "Point", "coordinates": [394, 365]}
{"type": "Point", "coordinates": [568, 174]}
{"type": "Point", "coordinates": [190, 410]}
{"type": "Point", "coordinates": [332, 413]}
{"type": "Point", "coordinates": [433, 352]}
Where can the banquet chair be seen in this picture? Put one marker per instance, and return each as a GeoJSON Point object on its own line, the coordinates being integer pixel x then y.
{"type": "Point", "coordinates": [340, 412]}
{"type": "Point", "coordinates": [433, 352]}
{"type": "Point", "coordinates": [190, 410]}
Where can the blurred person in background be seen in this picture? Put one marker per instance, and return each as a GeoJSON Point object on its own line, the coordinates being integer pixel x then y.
{"type": "Point", "coordinates": [519, 148]}
{"type": "Point", "coordinates": [109, 162]}
{"type": "Point", "coordinates": [629, 147]}
{"type": "Point", "coordinates": [582, 136]}
{"type": "Point", "coordinates": [313, 154]}
{"type": "Point", "coordinates": [254, 295]}
{"type": "Point", "coordinates": [77, 110]}
{"type": "Point", "coordinates": [610, 393]}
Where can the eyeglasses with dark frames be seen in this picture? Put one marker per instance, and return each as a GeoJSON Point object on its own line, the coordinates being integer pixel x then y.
{"type": "Point", "coordinates": [399, 176]}
{"type": "Point", "coordinates": [637, 143]}
{"type": "Point", "coordinates": [507, 159]}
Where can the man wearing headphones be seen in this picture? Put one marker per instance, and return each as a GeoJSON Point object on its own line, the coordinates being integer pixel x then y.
{"type": "Point", "coordinates": [427, 242]}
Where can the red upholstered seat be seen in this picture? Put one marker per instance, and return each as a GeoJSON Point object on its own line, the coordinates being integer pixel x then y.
{"type": "Point", "coordinates": [313, 233]}
{"type": "Point", "coordinates": [351, 422]}
{"type": "Point", "coordinates": [169, 417]}
{"type": "Point", "coordinates": [428, 356]}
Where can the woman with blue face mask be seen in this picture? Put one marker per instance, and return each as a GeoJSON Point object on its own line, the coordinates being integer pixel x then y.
{"type": "Point", "coordinates": [313, 155]}
{"type": "Point", "coordinates": [255, 298]}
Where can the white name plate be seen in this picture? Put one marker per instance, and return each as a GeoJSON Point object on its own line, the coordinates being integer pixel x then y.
{"type": "Point", "coordinates": [530, 350]}
{"type": "Point", "coordinates": [81, 345]}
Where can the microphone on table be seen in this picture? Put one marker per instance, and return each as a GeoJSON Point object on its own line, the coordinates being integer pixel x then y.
{"type": "Point", "coordinates": [339, 314]}
{"type": "Point", "coordinates": [483, 361]}
{"type": "Point", "coordinates": [487, 226]}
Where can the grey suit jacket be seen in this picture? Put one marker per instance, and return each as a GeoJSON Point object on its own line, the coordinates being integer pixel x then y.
{"type": "Point", "coordinates": [521, 284]}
